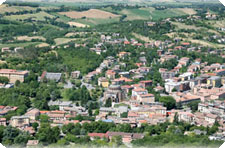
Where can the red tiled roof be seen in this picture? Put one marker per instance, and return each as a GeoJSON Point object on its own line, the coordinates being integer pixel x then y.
{"type": "Point", "coordinates": [147, 81]}
{"type": "Point", "coordinates": [101, 135]}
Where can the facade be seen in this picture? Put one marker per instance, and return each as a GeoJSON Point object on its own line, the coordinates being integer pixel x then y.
{"type": "Point", "coordinates": [75, 74]}
{"type": "Point", "coordinates": [20, 121]}
{"type": "Point", "coordinates": [14, 75]}
{"type": "Point", "coordinates": [102, 81]}
{"type": "Point", "coordinates": [115, 93]}
{"type": "Point", "coordinates": [215, 81]}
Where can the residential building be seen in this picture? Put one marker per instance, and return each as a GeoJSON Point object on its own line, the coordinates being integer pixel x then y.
{"type": "Point", "coordinates": [75, 74]}
{"type": "Point", "coordinates": [20, 121]}
{"type": "Point", "coordinates": [215, 81]}
{"type": "Point", "coordinates": [102, 81]}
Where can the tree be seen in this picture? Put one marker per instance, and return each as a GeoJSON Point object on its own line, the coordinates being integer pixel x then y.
{"type": "Point", "coordinates": [35, 126]}
{"type": "Point", "coordinates": [44, 118]}
{"type": "Point", "coordinates": [4, 80]}
{"type": "Point", "coordinates": [176, 120]}
{"type": "Point", "coordinates": [117, 140]}
{"type": "Point", "coordinates": [48, 135]}
{"type": "Point", "coordinates": [193, 105]}
{"type": "Point", "coordinates": [168, 102]}
{"type": "Point", "coordinates": [90, 112]}
{"type": "Point", "coordinates": [9, 134]}
{"type": "Point", "coordinates": [108, 103]}
{"type": "Point", "coordinates": [124, 115]}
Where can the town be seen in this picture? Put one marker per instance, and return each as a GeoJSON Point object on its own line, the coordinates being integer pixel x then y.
{"type": "Point", "coordinates": [120, 88]}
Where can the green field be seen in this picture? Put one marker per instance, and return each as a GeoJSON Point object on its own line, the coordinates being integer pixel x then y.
{"type": "Point", "coordinates": [19, 44]}
{"type": "Point", "coordinates": [96, 21]}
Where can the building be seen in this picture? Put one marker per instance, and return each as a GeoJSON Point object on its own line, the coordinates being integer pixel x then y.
{"type": "Point", "coordinates": [146, 98]}
{"type": "Point", "coordinates": [102, 81]}
{"type": "Point", "coordinates": [50, 76]}
{"type": "Point", "coordinates": [6, 49]}
{"type": "Point", "coordinates": [146, 83]}
{"type": "Point", "coordinates": [110, 74]}
{"type": "Point", "coordinates": [171, 86]}
{"type": "Point", "coordinates": [115, 93]}
{"type": "Point", "coordinates": [75, 74]}
{"type": "Point", "coordinates": [32, 143]}
{"type": "Point", "coordinates": [20, 121]}
{"type": "Point", "coordinates": [3, 121]}
{"type": "Point", "coordinates": [33, 113]}
{"type": "Point", "coordinates": [14, 75]}
{"type": "Point", "coordinates": [215, 81]}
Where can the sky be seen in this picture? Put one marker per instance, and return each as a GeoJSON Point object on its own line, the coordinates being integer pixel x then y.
{"type": "Point", "coordinates": [1, 1]}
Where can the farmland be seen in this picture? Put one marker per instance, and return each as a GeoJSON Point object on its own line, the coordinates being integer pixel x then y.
{"type": "Point", "coordinates": [92, 13]}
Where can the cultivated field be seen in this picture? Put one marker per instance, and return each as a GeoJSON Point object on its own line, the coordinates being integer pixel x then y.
{"type": "Point", "coordinates": [60, 41]}
{"type": "Point", "coordinates": [77, 24]}
{"type": "Point", "coordinates": [188, 11]}
{"type": "Point", "coordinates": [27, 38]}
{"type": "Point", "coordinates": [42, 45]}
{"type": "Point", "coordinates": [6, 8]}
{"type": "Point", "coordinates": [92, 13]}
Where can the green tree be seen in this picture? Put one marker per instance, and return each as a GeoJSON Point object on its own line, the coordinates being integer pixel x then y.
{"type": "Point", "coordinates": [108, 103]}
{"type": "Point", "coordinates": [168, 102]}
{"type": "Point", "coordinates": [4, 80]}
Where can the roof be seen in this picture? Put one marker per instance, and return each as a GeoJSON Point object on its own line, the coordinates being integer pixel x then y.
{"type": "Point", "coordinates": [101, 135]}
{"type": "Point", "coordinates": [147, 81]}
{"type": "Point", "coordinates": [13, 71]}
{"type": "Point", "coordinates": [139, 89]}
{"type": "Point", "coordinates": [53, 76]}
{"type": "Point", "coordinates": [147, 95]}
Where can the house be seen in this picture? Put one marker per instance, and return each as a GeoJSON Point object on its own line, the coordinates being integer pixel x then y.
{"type": "Point", "coordinates": [220, 72]}
{"type": "Point", "coordinates": [146, 83]}
{"type": "Point", "coordinates": [57, 115]}
{"type": "Point", "coordinates": [97, 135]}
{"type": "Point", "coordinates": [126, 137]}
{"type": "Point", "coordinates": [150, 24]}
{"type": "Point", "coordinates": [50, 76]}
{"type": "Point", "coordinates": [123, 54]}
{"type": "Point", "coordinates": [186, 117]}
{"type": "Point", "coordinates": [110, 74]}
{"type": "Point", "coordinates": [186, 76]}
{"type": "Point", "coordinates": [6, 49]}
{"type": "Point", "coordinates": [61, 104]}
{"type": "Point", "coordinates": [139, 91]}
{"type": "Point", "coordinates": [20, 121]}
{"type": "Point", "coordinates": [211, 118]}
{"type": "Point", "coordinates": [166, 74]}
{"type": "Point", "coordinates": [159, 89]}
{"type": "Point", "coordinates": [215, 81]}
{"type": "Point", "coordinates": [146, 98]}
{"type": "Point", "coordinates": [14, 75]}
{"type": "Point", "coordinates": [32, 143]}
{"type": "Point", "coordinates": [75, 74]}
{"type": "Point", "coordinates": [5, 109]}
{"type": "Point", "coordinates": [33, 113]}
{"type": "Point", "coordinates": [171, 86]}
{"type": "Point", "coordinates": [3, 121]}
{"type": "Point", "coordinates": [102, 81]}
